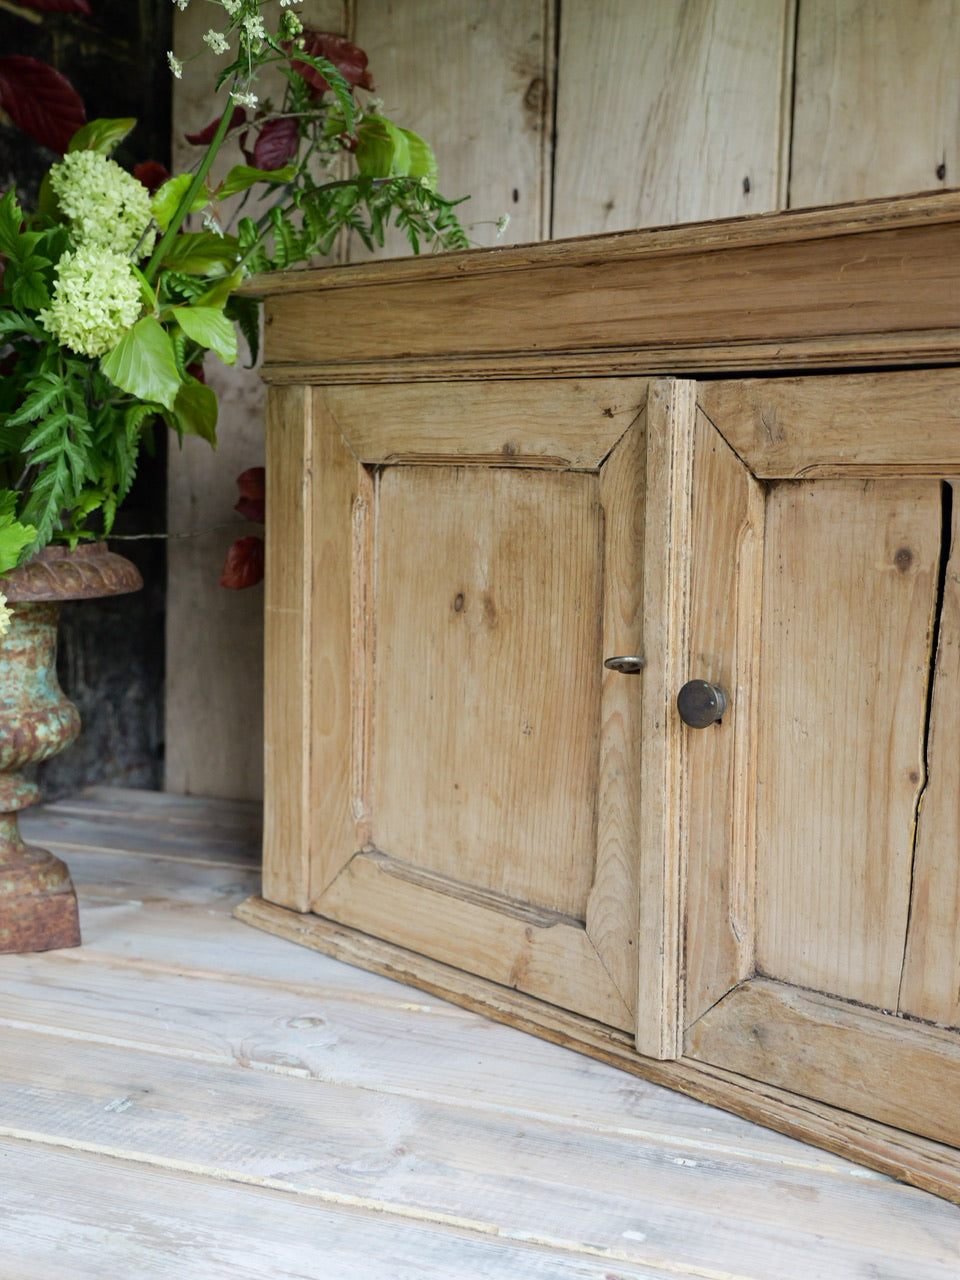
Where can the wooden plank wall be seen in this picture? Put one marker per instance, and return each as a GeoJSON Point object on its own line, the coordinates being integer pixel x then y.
{"type": "Point", "coordinates": [573, 118]}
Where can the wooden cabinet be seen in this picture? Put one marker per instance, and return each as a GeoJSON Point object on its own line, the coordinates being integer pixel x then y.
{"type": "Point", "coordinates": [518, 501]}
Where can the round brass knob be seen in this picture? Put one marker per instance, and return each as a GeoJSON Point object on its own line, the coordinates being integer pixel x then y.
{"type": "Point", "coordinates": [701, 704]}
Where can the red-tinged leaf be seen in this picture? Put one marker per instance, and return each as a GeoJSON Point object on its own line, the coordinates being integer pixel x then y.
{"type": "Point", "coordinates": [278, 142]}
{"type": "Point", "coordinates": [253, 494]}
{"type": "Point", "coordinates": [40, 101]}
{"type": "Point", "coordinates": [59, 6]}
{"type": "Point", "coordinates": [349, 59]}
{"type": "Point", "coordinates": [196, 371]}
{"type": "Point", "coordinates": [205, 136]}
{"type": "Point", "coordinates": [152, 174]}
{"type": "Point", "coordinates": [244, 564]}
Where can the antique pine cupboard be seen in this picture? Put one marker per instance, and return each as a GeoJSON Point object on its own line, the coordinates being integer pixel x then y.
{"type": "Point", "coordinates": [613, 670]}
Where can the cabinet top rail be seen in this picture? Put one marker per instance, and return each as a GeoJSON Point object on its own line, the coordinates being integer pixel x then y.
{"type": "Point", "coordinates": [873, 283]}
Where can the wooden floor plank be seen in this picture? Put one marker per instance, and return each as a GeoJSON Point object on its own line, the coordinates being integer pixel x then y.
{"type": "Point", "coordinates": [186, 1096]}
{"type": "Point", "coordinates": [175, 1226]}
{"type": "Point", "coordinates": [423, 1160]}
{"type": "Point", "coordinates": [385, 1042]}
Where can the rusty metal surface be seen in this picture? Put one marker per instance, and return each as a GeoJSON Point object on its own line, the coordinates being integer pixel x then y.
{"type": "Point", "coordinates": [38, 905]}
{"type": "Point", "coordinates": [57, 573]}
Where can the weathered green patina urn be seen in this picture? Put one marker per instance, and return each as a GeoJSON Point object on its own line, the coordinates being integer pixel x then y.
{"type": "Point", "coordinates": [38, 904]}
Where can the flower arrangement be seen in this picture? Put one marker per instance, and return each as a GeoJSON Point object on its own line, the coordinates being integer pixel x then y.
{"type": "Point", "coordinates": [116, 286]}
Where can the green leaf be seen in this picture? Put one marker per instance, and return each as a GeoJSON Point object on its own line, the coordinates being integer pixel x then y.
{"type": "Point", "coordinates": [14, 536]}
{"type": "Point", "coordinates": [38, 402]}
{"type": "Point", "coordinates": [166, 202]}
{"type": "Point", "coordinates": [11, 219]}
{"type": "Point", "coordinates": [101, 135]}
{"type": "Point", "coordinates": [246, 313]}
{"type": "Point", "coordinates": [423, 163]}
{"type": "Point", "coordinates": [218, 294]}
{"type": "Point", "coordinates": [382, 149]}
{"type": "Point", "coordinates": [209, 327]}
{"type": "Point", "coordinates": [242, 176]}
{"type": "Point", "coordinates": [143, 364]}
{"type": "Point", "coordinates": [202, 253]}
{"type": "Point", "coordinates": [195, 410]}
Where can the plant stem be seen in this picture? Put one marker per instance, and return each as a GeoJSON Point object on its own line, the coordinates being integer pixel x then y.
{"type": "Point", "coordinates": [183, 208]}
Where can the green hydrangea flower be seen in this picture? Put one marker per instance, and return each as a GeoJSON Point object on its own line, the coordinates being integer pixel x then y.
{"type": "Point", "coordinates": [96, 299]}
{"type": "Point", "coordinates": [105, 205]}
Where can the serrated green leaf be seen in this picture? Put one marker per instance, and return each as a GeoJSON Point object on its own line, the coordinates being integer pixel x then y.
{"type": "Point", "coordinates": [101, 135]}
{"type": "Point", "coordinates": [195, 410]}
{"type": "Point", "coordinates": [11, 219]}
{"type": "Point", "coordinates": [209, 327]}
{"type": "Point", "coordinates": [37, 402]}
{"type": "Point", "coordinates": [166, 202]}
{"type": "Point", "coordinates": [202, 253]}
{"type": "Point", "coordinates": [143, 364]}
{"type": "Point", "coordinates": [241, 177]}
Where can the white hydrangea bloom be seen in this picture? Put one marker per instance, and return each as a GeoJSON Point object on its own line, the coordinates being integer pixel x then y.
{"type": "Point", "coordinates": [245, 100]}
{"type": "Point", "coordinates": [96, 299]}
{"type": "Point", "coordinates": [175, 65]}
{"type": "Point", "coordinates": [5, 615]}
{"type": "Point", "coordinates": [103, 203]}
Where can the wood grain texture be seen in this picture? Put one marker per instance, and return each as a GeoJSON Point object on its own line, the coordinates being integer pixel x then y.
{"type": "Point", "coordinates": [309, 620]}
{"type": "Point", "coordinates": [543, 953]}
{"type": "Point", "coordinates": [549, 423]}
{"type": "Point", "coordinates": [166, 1224]}
{"type": "Point", "coordinates": [799, 296]}
{"type": "Point", "coordinates": [702, 81]}
{"type": "Point", "coordinates": [931, 968]}
{"type": "Point", "coordinates": [719, 799]}
{"type": "Point", "coordinates": [868, 424]}
{"type": "Point", "coordinates": [850, 580]}
{"type": "Point", "coordinates": [288, 641]}
{"type": "Point", "coordinates": [487, 678]}
{"type": "Point", "coordinates": [670, 418]}
{"type": "Point", "coordinates": [877, 104]}
{"type": "Point", "coordinates": [613, 906]}
{"type": "Point", "coordinates": [475, 78]}
{"type": "Point", "coordinates": [852, 1058]}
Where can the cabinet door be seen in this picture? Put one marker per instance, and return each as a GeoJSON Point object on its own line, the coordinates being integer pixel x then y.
{"type": "Point", "coordinates": [841, 982]}
{"type": "Point", "coordinates": [469, 768]}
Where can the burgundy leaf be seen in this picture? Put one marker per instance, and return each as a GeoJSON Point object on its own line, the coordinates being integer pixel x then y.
{"type": "Point", "coordinates": [349, 59]}
{"type": "Point", "coordinates": [243, 566]}
{"type": "Point", "coordinates": [196, 371]}
{"type": "Point", "coordinates": [41, 101]}
{"type": "Point", "coordinates": [253, 494]}
{"type": "Point", "coordinates": [59, 6]}
{"type": "Point", "coordinates": [205, 136]}
{"type": "Point", "coordinates": [277, 143]}
{"type": "Point", "coordinates": [152, 174]}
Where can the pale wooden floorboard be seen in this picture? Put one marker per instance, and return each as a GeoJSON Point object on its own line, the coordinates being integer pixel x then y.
{"type": "Point", "coordinates": [183, 1095]}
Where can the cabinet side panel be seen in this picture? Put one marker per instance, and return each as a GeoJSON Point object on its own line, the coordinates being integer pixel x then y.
{"type": "Point", "coordinates": [286, 853]}
{"type": "Point", "coordinates": [850, 583]}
